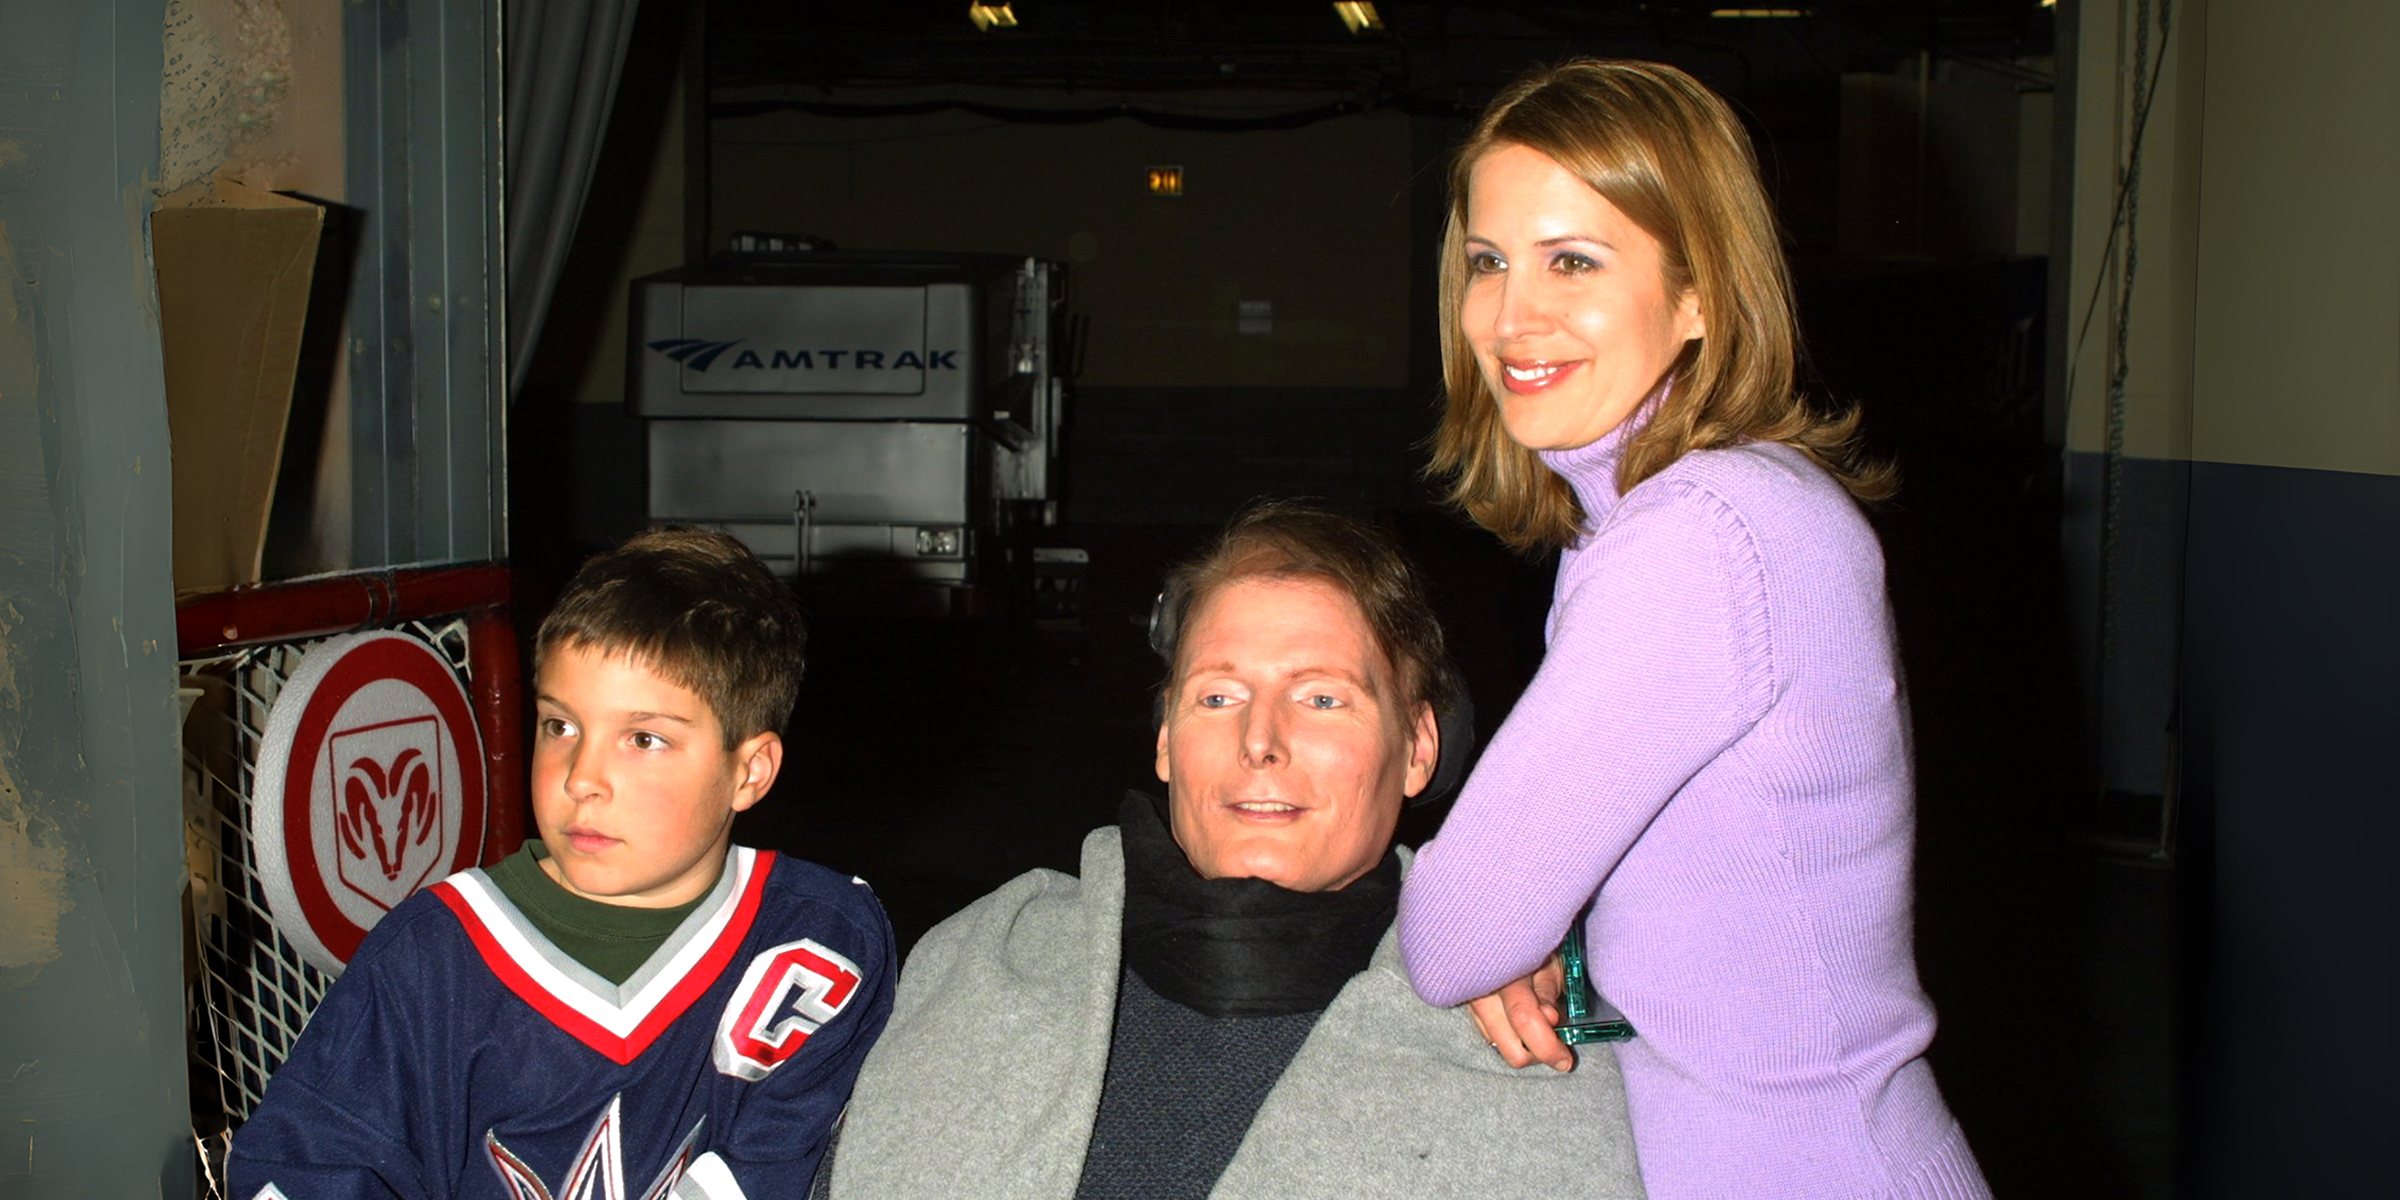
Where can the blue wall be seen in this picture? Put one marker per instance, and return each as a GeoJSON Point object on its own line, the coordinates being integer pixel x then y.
{"type": "Point", "coordinates": [92, 1075]}
{"type": "Point", "coordinates": [2292, 819]}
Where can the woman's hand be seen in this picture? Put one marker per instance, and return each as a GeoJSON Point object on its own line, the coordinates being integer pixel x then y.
{"type": "Point", "coordinates": [1519, 1020]}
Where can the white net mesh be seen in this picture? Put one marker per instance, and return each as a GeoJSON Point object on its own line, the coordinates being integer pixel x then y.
{"type": "Point", "coordinates": [248, 992]}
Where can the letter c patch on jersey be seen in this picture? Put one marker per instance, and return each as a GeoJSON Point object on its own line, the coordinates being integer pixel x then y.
{"type": "Point", "coordinates": [789, 992]}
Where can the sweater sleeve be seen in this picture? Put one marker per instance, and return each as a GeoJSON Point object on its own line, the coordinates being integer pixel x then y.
{"type": "Point", "coordinates": [1659, 660]}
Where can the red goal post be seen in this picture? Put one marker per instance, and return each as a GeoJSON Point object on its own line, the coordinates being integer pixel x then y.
{"type": "Point", "coordinates": [248, 988]}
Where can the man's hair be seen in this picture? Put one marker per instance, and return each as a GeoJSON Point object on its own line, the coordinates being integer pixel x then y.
{"type": "Point", "coordinates": [698, 609]}
{"type": "Point", "coordinates": [1669, 154]}
{"type": "Point", "coordinates": [1284, 540]}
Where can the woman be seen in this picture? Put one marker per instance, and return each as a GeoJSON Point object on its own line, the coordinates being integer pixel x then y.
{"type": "Point", "coordinates": [1714, 754]}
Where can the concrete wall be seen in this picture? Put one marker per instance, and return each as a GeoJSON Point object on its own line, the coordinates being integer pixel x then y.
{"type": "Point", "coordinates": [92, 1082]}
{"type": "Point", "coordinates": [2292, 600]}
{"type": "Point", "coordinates": [1197, 455]}
{"type": "Point", "coordinates": [1332, 224]}
{"type": "Point", "coordinates": [2239, 628]}
{"type": "Point", "coordinates": [1177, 414]}
{"type": "Point", "coordinates": [1935, 162]}
{"type": "Point", "coordinates": [2123, 515]}
{"type": "Point", "coordinates": [1314, 221]}
{"type": "Point", "coordinates": [2298, 253]}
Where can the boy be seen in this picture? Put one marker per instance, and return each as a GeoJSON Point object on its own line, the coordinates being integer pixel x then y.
{"type": "Point", "coordinates": [631, 1008]}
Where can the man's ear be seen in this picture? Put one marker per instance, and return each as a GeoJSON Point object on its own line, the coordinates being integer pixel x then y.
{"type": "Point", "coordinates": [1162, 750]}
{"type": "Point", "coordinates": [1424, 750]}
{"type": "Point", "coordinates": [760, 758]}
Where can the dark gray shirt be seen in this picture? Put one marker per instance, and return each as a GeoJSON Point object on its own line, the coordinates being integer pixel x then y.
{"type": "Point", "coordinates": [1180, 1093]}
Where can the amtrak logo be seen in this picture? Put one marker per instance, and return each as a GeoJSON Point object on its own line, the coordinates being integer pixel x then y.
{"type": "Point", "coordinates": [693, 353]}
{"type": "Point", "coordinates": [598, 1172]}
{"type": "Point", "coordinates": [699, 354]}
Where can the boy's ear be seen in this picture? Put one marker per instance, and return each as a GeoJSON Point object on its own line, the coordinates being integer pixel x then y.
{"type": "Point", "coordinates": [759, 759]}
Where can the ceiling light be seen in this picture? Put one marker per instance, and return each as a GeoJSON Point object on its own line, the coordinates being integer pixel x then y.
{"type": "Point", "coordinates": [987, 15]}
{"type": "Point", "coordinates": [1358, 16]}
{"type": "Point", "coordinates": [1758, 12]}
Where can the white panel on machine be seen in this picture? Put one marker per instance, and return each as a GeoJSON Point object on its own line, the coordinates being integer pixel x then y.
{"type": "Point", "coordinates": [855, 417]}
{"type": "Point", "coordinates": [749, 470]}
{"type": "Point", "coordinates": [810, 341]}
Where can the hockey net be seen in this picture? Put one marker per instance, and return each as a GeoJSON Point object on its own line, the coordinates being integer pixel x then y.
{"type": "Point", "coordinates": [248, 989]}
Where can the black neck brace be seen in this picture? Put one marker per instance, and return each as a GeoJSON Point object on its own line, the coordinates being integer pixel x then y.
{"type": "Point", "coordinates": [1242, 947]}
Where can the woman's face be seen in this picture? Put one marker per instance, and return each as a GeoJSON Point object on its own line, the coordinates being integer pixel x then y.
{"type": "Point", "coordinates": [1566, 305]}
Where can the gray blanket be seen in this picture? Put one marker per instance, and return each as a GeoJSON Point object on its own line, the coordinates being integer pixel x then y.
{"type": "Point", "coordinates": [987, 1080]}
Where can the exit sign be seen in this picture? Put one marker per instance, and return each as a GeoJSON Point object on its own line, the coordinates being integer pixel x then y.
{"type": "Point", "coordinates": [1166, 181]}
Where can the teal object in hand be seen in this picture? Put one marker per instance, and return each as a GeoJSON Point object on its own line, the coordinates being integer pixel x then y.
{"type": "Point", "coordinates": [1589, 1018]}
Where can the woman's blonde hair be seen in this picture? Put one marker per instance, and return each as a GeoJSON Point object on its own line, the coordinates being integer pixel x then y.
{"type": "Point", "coordinates": [1670, 155]}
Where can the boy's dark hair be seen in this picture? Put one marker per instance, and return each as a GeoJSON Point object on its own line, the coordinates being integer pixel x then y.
{"type": "Point", "coordinates": [695, 606]}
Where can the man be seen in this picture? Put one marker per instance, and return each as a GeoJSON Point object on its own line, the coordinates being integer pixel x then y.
{"type": "Point", "coordinates": [1215, 1007]}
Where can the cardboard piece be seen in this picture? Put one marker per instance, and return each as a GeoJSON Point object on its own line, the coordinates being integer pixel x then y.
{"type": "Point", "coordinates": [234, 268]}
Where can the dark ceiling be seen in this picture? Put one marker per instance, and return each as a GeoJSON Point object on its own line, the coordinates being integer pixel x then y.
{"type": "Point", "coordinates": [1432, 55]}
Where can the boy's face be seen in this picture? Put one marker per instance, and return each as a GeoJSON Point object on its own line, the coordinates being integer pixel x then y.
{"type": "Point", "coordinates": [633, 788]}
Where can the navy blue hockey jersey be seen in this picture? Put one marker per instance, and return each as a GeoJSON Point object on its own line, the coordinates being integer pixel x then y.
{"type": "Point", "coordinates": [463, 1055]}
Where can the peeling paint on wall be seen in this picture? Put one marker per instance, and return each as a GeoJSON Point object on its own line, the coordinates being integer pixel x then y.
{"type": "Point", "coordinates": [34, 864]}
{"type": "Point", "coordinates": [10, 699]}
{"type": "Point", "coordinates": [27, 526]}
{"type": "Point", "coordinates": [229, 64]}
{"type": "Point", "coordinates": [254, 85]}
{"type": "Point", "coordinates": [137, 199]}
{"type": "Point", "coordinates": [33, 885]}
{"type": "Point", "coordinates": [33, 859]}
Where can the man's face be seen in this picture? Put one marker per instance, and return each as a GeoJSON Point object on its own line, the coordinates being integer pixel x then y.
{"type": "Point", "coordinates": [633, 788]}
{"type": "Point", "coordinates": [1287, 749]}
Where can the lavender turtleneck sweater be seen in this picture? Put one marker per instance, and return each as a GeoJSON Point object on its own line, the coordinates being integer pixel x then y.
{"type": "Point", "coordinates": [1717, 743]}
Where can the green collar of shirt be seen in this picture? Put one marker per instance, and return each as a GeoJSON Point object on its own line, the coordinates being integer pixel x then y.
{"type": "Point", "coordinates": [613, 940]}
